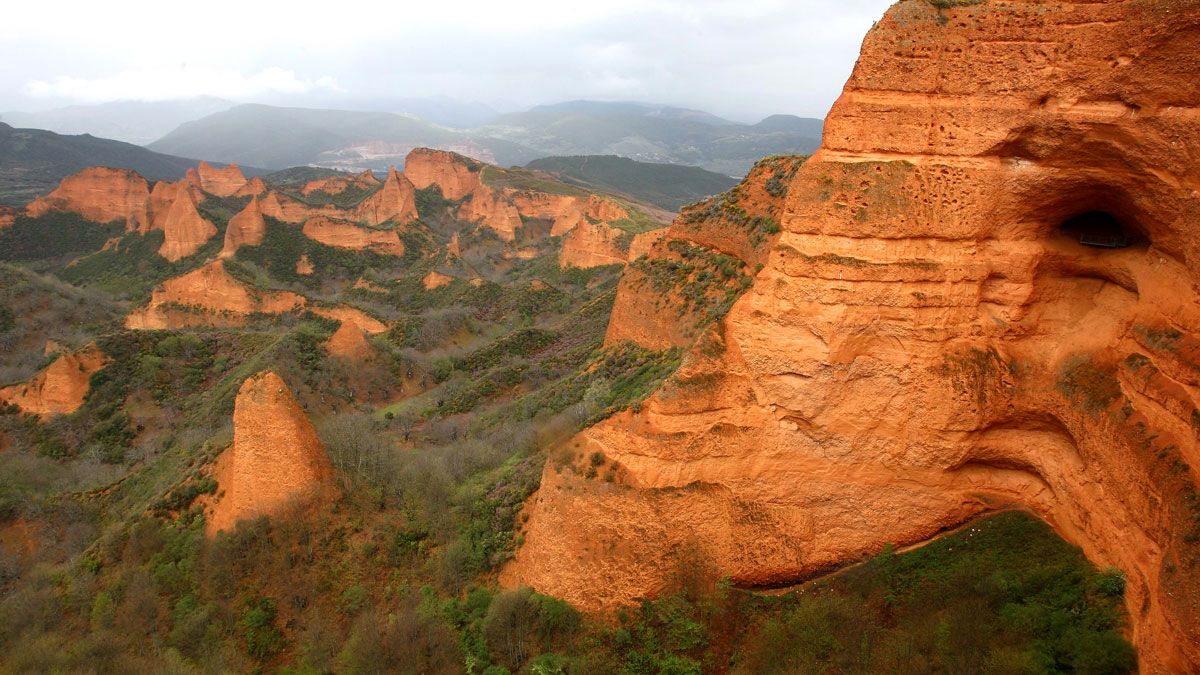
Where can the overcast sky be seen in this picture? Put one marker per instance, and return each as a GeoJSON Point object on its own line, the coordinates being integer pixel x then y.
{"type": "Point", "coordinates": [742, 59]}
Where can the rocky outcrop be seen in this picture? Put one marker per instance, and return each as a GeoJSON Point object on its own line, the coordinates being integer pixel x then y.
{"type": "Point", "coordinates": [335, 185]}
{"type": "Point", "coordinates": [7, 217]}
{"type": "Point", "coordinates": [347, 235]}
{"type": "Point", "coordinates": [253, 188]}
{"type": "Point", "coordinates": [184, 230]}
{"type": "Point", "coordinates": [395, 202]}
{"type": "Point", "coordinates": [304, 266]}
{"type": "Point", "coordinates": [223, 182]}
{"type": "Point", "coordinates": [276, 465]}
{"type": "Point", "coordinates": [436, 279]}
{"type": "Point", "coordinates": [208, 296]}
{"type": "Point", "coordinates": [290, 210]}
{"type": "Point", "coordinates": [347, 314]}
{"type": "Point", "coordinates": [100, 194]}
{"type": "Point", "coordinates": [930, 337]}
{"type": "Point", "coordinates": [60, 388]}
{"type": "Point", "coordinates": [455, 175]}
{"type": "Point", "coordinates": [742, 223]}
{"type": "Point", "coordinates": [246, 228]}
{"type": "Point", "coordinates": [349, 343]}
{"type": "Point", "coordinates": [488, 208]}
{"type": "Point", "coordinates": [594, 244]}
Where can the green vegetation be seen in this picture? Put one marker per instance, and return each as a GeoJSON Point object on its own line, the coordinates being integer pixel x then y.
{"type": "Point", "coordinates": [56, 236]}
{"type": "Point", "coordinates": [727, 209]}
{"type": "Point", "coordinates": [707, 282]}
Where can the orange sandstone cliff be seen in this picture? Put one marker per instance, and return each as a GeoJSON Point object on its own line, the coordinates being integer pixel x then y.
{"type": "Point", "coordinates": [276, 463]}
{"type": "Point", "coordinates": [395, 201]}
{"type": "Point", "coordinates": [208, 296]}
{"type": "Point", "coordinates": [223, 182]}
{"type": "Point", "coordinates": [61, 387]}
{"type": "Point", "coordinates": [343, 234]}
{"type": "Point", "coordinates": [932, 336]}
{"type": "Point", "coordinates": [246, 228]}
{"type": "Point", "coordinates": [100, 194]}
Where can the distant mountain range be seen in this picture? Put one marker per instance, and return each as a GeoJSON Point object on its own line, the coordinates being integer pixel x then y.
{"type": "Point", "coordinates": [139, 122]}
{"type": "Point", "coordinates": [273, 137]}
{"type": "Point", "coordinates": [32, 161]}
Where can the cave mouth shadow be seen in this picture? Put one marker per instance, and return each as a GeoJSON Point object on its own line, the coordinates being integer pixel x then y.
{"type": "Point", "coordinates": [1101, 229]}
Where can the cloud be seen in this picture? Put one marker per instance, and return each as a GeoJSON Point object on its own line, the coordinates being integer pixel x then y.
{"type": "Point", "coordinates": [182, 82]}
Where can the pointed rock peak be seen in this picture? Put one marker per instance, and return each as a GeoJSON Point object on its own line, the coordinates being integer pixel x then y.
{"type": "Point", "coordinates": [366, 178]}
{"type": "Point", "coordinates": [254, 186]}
{"type": "Point", "coordinates": [349, 342]}
{"type": "Point", "coordinates": [247, 228]}
{"type": "Point", "coordinates": [276, 465]}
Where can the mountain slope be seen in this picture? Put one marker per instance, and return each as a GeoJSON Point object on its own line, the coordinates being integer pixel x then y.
{"type": "Point", "coordinates": [669, 186]}
{"type": "Point", "coordinates": [32, 161]}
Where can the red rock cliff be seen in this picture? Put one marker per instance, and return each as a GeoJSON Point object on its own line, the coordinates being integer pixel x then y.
{"type": "Point", "coordinates": [61, 387]}
{"type": "Point", "coordinates": [223, 182]}
{"type": "Point", "coordinates": [931, 338]}
{"type": "Point", "coordinates": [99, 194]}
{"type": "Point", "coordinates": [276, 464]}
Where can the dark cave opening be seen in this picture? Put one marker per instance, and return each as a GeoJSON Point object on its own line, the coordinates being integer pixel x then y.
{"type": "Point", "coordinates": [1101, 229]}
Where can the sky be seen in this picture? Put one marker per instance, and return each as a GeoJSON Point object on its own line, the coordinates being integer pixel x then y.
{"type": "Point", "coordinates": [741, 59]}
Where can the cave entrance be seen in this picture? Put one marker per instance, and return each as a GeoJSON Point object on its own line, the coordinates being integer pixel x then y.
{"type": "Point", "coordinates": [1100, 229]}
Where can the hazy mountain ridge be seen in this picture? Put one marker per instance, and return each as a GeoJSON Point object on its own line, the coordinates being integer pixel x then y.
{"type": "Point", "coordinates": [139, 122]}
{"type": "Point", "coordinates": [275, 137]}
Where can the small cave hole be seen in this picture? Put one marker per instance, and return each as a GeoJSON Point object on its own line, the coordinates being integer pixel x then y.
{"type": "Point", "coordinates": [1100, 229]}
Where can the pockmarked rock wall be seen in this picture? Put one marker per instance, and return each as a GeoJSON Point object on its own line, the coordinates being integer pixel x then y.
{"type": "Point", "coordinates": [931, 338]}
{"type": "Point", "coordinates": [276, 464]}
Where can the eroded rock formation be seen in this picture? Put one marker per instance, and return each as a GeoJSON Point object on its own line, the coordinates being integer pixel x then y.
{"type": "Point", "coordinates": [349, 342]}
{"type": "Point", "coordinates": [223, 182]}
{"type": "Point", "coordinates": [61, 387]}
{"type": "Point", "coordinates": [276, 464]}
{"type": "Point", "coordinates": [347, 314]}
{"type": "Point", "coordinates": [99, 194]}
{"type": "Point", "coordinates": [933, 337]}
{"type": "Point", "coordinates": [343, 234]}
{"type": "Point", "coordinates": [456, 176]}
{"type": "Point", "coordinates": [246, 228]}
{"type": "Point", "coordinates": [335, 185]}
{"type": "Point", "coordinates": [184, 230]}
{"type": "Point", "coordinates": [208, 296]}
{"type": "Point", "coordinates": [396, 202]}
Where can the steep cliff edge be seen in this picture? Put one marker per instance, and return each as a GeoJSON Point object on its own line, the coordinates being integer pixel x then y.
{"type": "Point", "coordinates": [941, 329]}
{"type": "Point", "coordinates": [694, 269]}
{"type": "Point", "coordinates": [276, 464]}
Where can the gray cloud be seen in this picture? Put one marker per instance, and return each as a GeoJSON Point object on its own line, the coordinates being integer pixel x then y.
{"type": "Point", "coordinates": [743, 59]}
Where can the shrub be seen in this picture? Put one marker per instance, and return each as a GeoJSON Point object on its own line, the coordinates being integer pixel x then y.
{"type": "Point", "coordinates": [263, 639]}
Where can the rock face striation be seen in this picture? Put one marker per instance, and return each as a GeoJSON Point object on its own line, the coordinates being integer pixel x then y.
{"type": "Point", "coordinates": [276, 464]}
{"type": "Point", "coordinates": [223, 182]}
{"type": "Point", "coordinates": [984, 294]}
{"type": "Point", "coordinates": [343, 234]}
{"type": "Point", "coordinates": [61, 387]}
